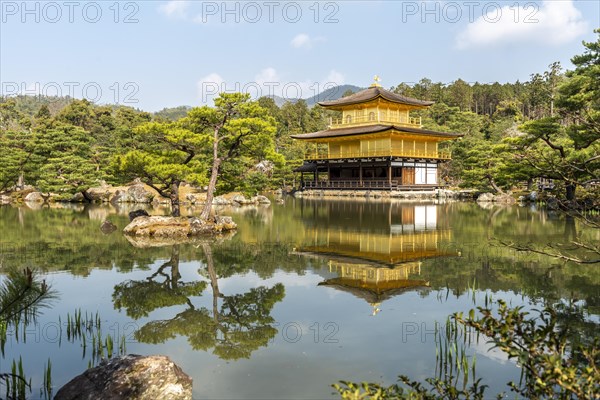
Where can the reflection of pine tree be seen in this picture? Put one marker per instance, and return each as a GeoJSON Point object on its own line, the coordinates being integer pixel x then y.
{"type": "Point", "coordinates": [241, 324]}
{"type": "Point", "coordinates": [139, 298]}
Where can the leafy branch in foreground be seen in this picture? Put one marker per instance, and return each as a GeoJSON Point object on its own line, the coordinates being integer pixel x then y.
{"type": "Point", "coordinates": [21, 296]}
{"type": "Point", "coordinates": [552, 366]}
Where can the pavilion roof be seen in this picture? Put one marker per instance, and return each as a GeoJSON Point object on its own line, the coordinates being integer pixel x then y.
{"type": "Point", "coordinates": [373, 93]}
{"type": "Point", "coordinates": [375, 293]}
{"type": "Point", "coordinates": [376, 128]}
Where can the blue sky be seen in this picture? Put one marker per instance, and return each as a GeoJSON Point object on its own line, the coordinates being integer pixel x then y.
{"type": "Point", "coordinates": [155, 54]}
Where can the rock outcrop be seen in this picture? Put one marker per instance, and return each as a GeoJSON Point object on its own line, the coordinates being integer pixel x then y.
{"type": "Point", "coordinates": [34, 197]}
{"type": "Point", "coordinates": [130, 377]}
{"type": "Point", "coordinates": [503, 198]}
{"type": "Point", "coordinates": [137, 193]}
{"type": "Point", "coordinates": [161, 226]}
{"type": "Point", "coordinates": [485, 197]}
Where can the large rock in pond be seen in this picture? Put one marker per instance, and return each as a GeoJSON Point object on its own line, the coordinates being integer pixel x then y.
{"type": "Point", "coordinates": [5, 199]}
{"type": "Point", "coordinates": [160, 226]}
{"type": "Point", "coordinates": [34, 197]}
{"type": "Point", "coordinates": [221, 201]}
{"type": "Point", "coordinates": [240, 200]}
{"type": "Point", "coordinates": [133, 194]}
{"type": "Point", "coordinates": [504, 198]}
{"type": "Point", "coordinates": [130, 377]}
{"type": "Point", "coordinates": [99, 194]}
{"type": "Point", "coordinates": [485, 197]}
{"type": "Point", "coordinates": [261, 199]}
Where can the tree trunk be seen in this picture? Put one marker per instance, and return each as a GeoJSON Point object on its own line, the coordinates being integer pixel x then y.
{"type": "Point", "coordinates": [214, 283]}
{"type": "Point", "coordinates": [174, 196]}
{"type": "Point", "coordinates": [570, 188]}
{"type": "Point", "coordinates": [494, 185]}
{"type": "Point", "coordinates": [212, 184]}
{"type": "Point", "coordinates": [529, 184]}
{"type": "Point", "coordinates": [21, 182]}
{"type": "Point", "coordinates": [175, 275]}
{"type": "Point", "coordinates": [86, 196]}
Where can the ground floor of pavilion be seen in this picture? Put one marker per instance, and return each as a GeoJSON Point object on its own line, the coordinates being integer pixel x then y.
{"type": "Point", "coordinates": [371, 174]}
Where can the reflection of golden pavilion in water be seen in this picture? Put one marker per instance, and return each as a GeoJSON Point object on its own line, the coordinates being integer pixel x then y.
{"type": "Point", "coordinates": [375, 249]}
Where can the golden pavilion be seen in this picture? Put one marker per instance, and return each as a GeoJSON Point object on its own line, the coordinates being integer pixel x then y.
{"type": "Point", "coordinates": [374, 144]}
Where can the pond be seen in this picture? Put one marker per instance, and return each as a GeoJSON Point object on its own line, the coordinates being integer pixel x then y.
{"type": "Point", "coordinates": [304, 294]}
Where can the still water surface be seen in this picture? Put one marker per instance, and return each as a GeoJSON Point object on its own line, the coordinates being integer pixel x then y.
{"type": "Point", "coordinates": [306, 293]}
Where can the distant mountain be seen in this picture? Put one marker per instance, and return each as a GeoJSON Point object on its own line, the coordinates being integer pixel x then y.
{"type": "Point", "coordinates": [333, 93]}
{"type": "Point", "coordinates": [173, 113]}
{"type": "Point", "coordinates": [279, 101]}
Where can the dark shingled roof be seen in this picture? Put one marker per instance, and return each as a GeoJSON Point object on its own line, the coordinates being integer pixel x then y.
{"type": "Point", "coordinates": [371, 292]}
{"type": "Point", "coordinates": [359, 130]}
{"type": "Point", "coordinates": [372, 93]}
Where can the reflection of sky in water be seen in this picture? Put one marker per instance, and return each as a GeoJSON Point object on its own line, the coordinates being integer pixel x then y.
{"type": "Point", "coordinates": [324, 333]}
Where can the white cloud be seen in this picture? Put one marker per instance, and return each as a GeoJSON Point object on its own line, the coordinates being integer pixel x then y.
{"type": "Point", "coordinates": [302, 40]}
{"type": "Point", "coordinates": [267, 75]}
{"type": "Point", "coordinates": [552, 23]}
{"type": "Point", "coordinates": [210, 86]}
{"type": "Point", "coordinates": [175, 8]}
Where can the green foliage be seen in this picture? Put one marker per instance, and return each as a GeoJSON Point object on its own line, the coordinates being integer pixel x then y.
{"type": "Point", "coordinates": [552, 366]}
{"type": "Point", "coordinates": [15, 154]}
{"type": "Point", "coordinates": [22, 295]}
{"type": "Point", "coordinates": [241, 325]}
{"type": "Point", "coordinates": [234, 129]}
{"type": "Point", "coordinates": [254, 183]}
{"type": "Point", "coordinates": [166, 157]}
{"type": "Point", "coordinates": [65, 153]}
{"type": "Point", "coordinates": [566, 148]}
{"type": "Point", "coordinates": [139, 298]}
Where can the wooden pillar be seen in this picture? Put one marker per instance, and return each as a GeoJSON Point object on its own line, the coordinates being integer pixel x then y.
{"type": "Point", "coordinates": [390, 174]}
{"type": "Point", "coordinates": [360, 181]}
{"type": "Point", "coordinates": [328, 173]}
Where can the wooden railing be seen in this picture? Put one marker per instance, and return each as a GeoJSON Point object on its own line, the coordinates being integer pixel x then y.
{"type": "Point", "coordinates": [365, 184]}
{"type": "Point", "coordinates": [348, 184]}
{"type": "Point", "coordinates": [334, 123]}
{"type": "Point", "coordinates": [323, 155]}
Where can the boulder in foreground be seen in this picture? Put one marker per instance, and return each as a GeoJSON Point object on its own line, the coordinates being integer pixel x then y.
{"type": "Point", "coordinates": [130, 377]}
{"type": "Point", "coordinates": [161, 226]}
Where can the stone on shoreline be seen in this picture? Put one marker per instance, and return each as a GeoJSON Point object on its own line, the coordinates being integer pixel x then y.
{"type": "Point", "coordinates": [34, 197]}
{"type": "Point", "coordinates": [130, 377]}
